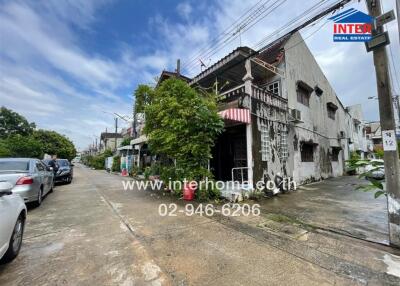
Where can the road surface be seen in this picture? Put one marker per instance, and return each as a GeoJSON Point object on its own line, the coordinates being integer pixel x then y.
{"type": "Point", "coordinates": [92, 232]}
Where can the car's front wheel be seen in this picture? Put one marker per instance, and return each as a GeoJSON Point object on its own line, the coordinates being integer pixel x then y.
{"type": "Point", "coordinates": [16, 241]}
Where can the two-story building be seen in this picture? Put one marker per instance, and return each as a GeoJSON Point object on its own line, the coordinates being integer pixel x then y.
{"type": "Point", "coordinates": [281, 115]}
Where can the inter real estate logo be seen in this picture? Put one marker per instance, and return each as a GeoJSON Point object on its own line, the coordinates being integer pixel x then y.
{"type": "Point", "coordinates": [352, 26]}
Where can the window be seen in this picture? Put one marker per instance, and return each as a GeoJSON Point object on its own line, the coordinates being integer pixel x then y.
{"type": "Point", "coordinates": [335, 154]}
{"type": "Point", "coordinates": [331, 107]}
{"type": "Point", "coordinates": [303, 93]}
{"type": "Point", "coordinates": [265, 142]}
{"type": "Point", "coordinates": [274, 88]}
{"type": "Point", "coordinates": [318, 90]}
{"type": "Point", "coordinates": [14, 165]}
{"type": "Point", "coordinates": [331, 113]}
{"type": "Point", "coordinates": [39, 166]}
{"type": "Point", "coordinates": [283, 145]}
{"type": "Point", "coordinates": [307, 152]}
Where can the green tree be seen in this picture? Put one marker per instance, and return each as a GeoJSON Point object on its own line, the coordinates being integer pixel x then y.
{"type": "Point", "coordinates": [13, 123]}
{"type": "Point", "coordinates": [20, 146]}
{"type": "Point", "coordinates": [143, 97]}
{"type": "Point", "coordinates": [126, 141]}
{"type": "Point", "coordinates": [54, 143]}
{"type": "Point", "coordinates": [182, 124]}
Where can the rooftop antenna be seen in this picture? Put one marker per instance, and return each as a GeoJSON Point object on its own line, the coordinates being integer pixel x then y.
{"type": "Point", "coordinates": [202, 65]}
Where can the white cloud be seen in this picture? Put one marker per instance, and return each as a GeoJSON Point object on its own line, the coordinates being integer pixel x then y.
{"type": "Point", "coordinates": [184, 9]}
{"type": "Point", "coordinates": [41, 57]}
{"type": "Point", "coordinates": [47, 77]}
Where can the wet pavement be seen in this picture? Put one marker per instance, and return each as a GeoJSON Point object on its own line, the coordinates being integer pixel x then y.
{"type": "Point", "coordinates": [93, 232]}
{"type": "Point", "coordinates": [335, 205]}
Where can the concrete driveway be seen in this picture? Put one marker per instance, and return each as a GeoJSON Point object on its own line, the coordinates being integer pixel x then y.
{"type": "Point", "coordinates": [335, 205]}
{"type": "Point", "coordinates": [93, 233]}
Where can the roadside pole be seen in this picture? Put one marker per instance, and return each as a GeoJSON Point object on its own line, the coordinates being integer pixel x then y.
{"type": "Point", "coordinates": [116, 131]}
{"type": "Point", "coordinates": [386, 113]}
{"type": "Point", "coordinates": [398, 17]}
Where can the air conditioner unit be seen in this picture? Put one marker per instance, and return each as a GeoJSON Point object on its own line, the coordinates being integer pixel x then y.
{"type": "Point", "coordinates": [296, 115]}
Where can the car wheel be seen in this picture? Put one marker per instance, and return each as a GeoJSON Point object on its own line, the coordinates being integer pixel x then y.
{"type": "Point", "coordinates": [40, 197]}
{"type": "Point", "coordinates": [15, 241]}
{"type": "Point", "coordinates": [69, 180]}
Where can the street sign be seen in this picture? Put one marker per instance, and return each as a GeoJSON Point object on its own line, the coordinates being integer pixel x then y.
{"type": "Point", "coordinates": [385, 18]}
{"type": "Point", "coordinates": [389, 140]}
{"type": "Point", "coordinates": [381, 39]}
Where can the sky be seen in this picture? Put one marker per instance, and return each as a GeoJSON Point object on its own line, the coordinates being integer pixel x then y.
{"type": "Point", "coordinates": [65, 63]}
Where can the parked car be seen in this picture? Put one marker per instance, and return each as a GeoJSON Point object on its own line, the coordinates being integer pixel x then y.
{"type": "Point", "coordinates": [12, 222]}
{"type": "Point", "coordinates": [30, 178]}
{"type": "Point", "coordinates": [378, 169]}
{"type": "Point", "coordinates": [65, 172]}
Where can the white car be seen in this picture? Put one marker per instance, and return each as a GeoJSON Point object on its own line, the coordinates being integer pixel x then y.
{"type": "Point", "coordinates": [12, 222]}
{"type": "Point", "coordinates": [376, 169]}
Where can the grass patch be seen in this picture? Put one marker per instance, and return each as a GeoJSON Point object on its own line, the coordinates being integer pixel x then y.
{"type": "Point", "coordinates": [288, 220]}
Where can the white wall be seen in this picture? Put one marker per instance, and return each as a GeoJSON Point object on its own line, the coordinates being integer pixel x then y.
{"type": "Point", "coordinates": [317, 127]}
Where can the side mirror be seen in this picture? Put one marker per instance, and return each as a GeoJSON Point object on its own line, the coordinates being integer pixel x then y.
{"type": "Point", "coordinates": [5, 189]}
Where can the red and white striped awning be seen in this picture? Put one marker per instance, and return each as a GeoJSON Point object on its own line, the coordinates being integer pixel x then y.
{"type": "Point", "coordinates": [236, 114]}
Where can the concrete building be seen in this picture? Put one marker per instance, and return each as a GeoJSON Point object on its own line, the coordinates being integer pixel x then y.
{"type": "Point", "coordinates": [288, 120]}
{"type": "Point", "coordinates": [110, 141]}
{"type": "Point", "coordinates": [374, 135]}
{"type": "Point", "coordinates": [281, 116]}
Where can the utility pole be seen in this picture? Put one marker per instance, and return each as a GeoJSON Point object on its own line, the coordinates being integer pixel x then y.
{"type": "Point", "coordinates": [116, 131]}
{"type": "Point", "coordinates": [391, 157]}
{"type": "Point", "coordinates": [398, 19]}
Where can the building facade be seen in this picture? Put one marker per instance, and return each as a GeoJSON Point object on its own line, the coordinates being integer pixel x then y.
{"type": "Point", "coordinates": [297, 125]}
{"type": "Point", "coordinates": [282, 117]}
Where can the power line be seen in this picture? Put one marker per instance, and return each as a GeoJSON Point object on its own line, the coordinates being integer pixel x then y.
{"type": "Point", "coordinates": [303, 15]}
{"type": "Point", "coordinates": [304, 24]}
{"type": "Point", "coordinates": [249, 22]}
{"type": "Point", "coordinates": [217, 49]}
{"type": "Point", "coordinates": [393, 64]}
{"type": "Point", "coordinates": [230, 30]}
{"type": "Point", "coordinates": [227, 31]}
{"type": "Point", "coordinates": [307, 37]}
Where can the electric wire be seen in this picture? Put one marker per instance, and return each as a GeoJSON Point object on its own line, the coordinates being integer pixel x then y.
{"type": "Point", "coordinates": [228, 31]}
{"type": "Point", "coordinates": [249, 22]}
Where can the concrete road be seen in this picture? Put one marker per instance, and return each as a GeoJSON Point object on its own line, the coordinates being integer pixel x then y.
{"type": "Point", "coordinates": [91, 232]}
{"type": "Point", "coordinates": [334, 204]}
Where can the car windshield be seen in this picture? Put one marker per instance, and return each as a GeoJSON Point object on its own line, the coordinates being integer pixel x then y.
{"type": "Point", "coordinates": [63, 163]}
{"type": "Point", "coordinates": [14, 166]}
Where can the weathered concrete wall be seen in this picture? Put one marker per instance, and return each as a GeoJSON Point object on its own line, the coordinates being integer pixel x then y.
{"type": "Point", "coordinates": [357, 133]}
{"type": "Point", "coordinates": [275, 120]}
{"type": "Point", "coordinates": [316, 127]}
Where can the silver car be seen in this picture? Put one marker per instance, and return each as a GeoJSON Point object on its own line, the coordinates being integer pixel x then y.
{"type": "Point", "coordinates": [30, 178]}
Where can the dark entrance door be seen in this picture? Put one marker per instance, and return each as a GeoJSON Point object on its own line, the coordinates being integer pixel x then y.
{"type": "Point", "coordinates": [229, 152]}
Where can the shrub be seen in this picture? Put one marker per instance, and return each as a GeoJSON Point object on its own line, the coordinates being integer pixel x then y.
{"type": "Point", "coordinates": [147, 173]}
{"type": "Point", "coordinates": [116, 166]}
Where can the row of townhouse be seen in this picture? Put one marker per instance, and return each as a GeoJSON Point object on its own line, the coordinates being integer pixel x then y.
{"type": "Point", "coordinates": [281, 116]}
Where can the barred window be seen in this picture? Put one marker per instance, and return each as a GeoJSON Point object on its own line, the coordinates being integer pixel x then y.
{"type": "Point", "coordinates": [303, 93]}
{"type": "Point", "coordinates": [265, 143]}
{"type": "Point", "coordinates": [335, 154]}
{"type": "Point", "coordinates": [283, 145]}
{"type": "Point", "coordinates": [307, 152]}
{"type": "Point", "coordinates": [331, 107]}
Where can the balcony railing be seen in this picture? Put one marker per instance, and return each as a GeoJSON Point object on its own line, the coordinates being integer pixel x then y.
{"type": "Point", "coordinates": [257, 93]}
{"type": "Point", "coordinates": [233, 93]}
{"type": "Point", "coordinates": [268, 97]}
